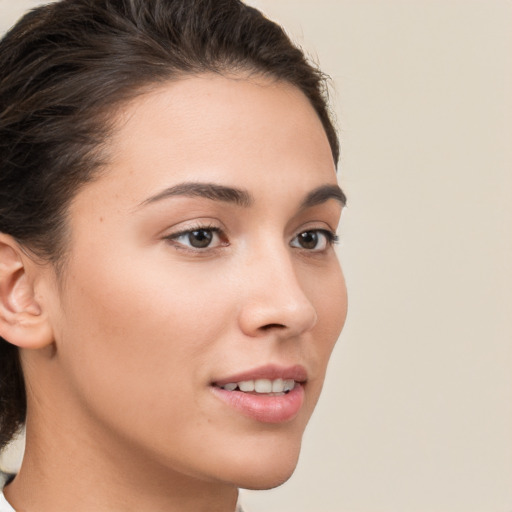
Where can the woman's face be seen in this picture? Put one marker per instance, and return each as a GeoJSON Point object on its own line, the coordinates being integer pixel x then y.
{"type": "Point", "coordinates": [200, 260]}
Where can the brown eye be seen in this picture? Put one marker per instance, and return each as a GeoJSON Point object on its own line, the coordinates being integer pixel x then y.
{"type": "Point", "coordinates": [314, 240]}
{"type": "Point", "coordinates": [308, 240]}
{"type": "Point", "coordinates": [200, 238]}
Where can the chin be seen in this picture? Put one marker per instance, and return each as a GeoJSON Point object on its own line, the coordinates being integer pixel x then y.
{"type": "Point", "coordinates": [260, 473]}
{"type": "Point", "coordinates": [266, 482]}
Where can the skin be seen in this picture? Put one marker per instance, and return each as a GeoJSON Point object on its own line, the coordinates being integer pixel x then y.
{"type": "Point", "coordinates": [121, 411]}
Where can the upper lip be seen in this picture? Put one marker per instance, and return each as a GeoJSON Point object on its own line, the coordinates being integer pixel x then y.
{"type": "Point", "coordinates": [296, 372]}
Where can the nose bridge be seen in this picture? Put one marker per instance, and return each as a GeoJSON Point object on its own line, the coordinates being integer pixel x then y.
{"type": "Point", "coordinates": [275, 298]}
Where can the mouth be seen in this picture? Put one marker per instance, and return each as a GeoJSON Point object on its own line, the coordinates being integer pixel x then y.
{"type": "Point", "coordinates": [268, 394]}
{"type": "Point", "coordinates": [267, 387]}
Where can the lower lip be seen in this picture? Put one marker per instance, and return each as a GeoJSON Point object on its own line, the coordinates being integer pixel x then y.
{"type": "Point", "coordinates": [266, 409]}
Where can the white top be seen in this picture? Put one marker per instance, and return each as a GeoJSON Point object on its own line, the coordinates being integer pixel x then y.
{"type": "Point", "coordinates": [4, 506]}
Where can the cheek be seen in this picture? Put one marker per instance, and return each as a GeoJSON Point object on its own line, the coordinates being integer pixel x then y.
{"type": "Point", "coordinates": [131, 328]}
{"type": "Point", "coordinates": [329, 295]}
{"type": "Point", "coordinates": [135, 299]}
{"type": "Point", "coordinates": [327, 291]}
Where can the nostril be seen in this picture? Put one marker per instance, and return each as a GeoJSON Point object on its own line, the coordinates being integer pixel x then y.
{"type": "Point", "coordinates": [272, 326]}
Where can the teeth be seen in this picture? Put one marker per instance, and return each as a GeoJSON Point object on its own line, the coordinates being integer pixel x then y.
{"type": "Point", "coordinates": [246, 385]}
{"type": "Point", "coordinates": [289, 385]}
{"type": "Point", "coordinates": [278, 386]}
{"type": "Point", "coordinates": [264, 386]}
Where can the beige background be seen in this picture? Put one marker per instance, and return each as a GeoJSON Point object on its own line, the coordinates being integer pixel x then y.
{"type": "Point", "coordinates": [417, 411]}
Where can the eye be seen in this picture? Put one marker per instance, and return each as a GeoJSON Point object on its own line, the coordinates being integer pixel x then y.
{"type": "Point", "coordinates": [198, 238]}
{"type": "Point", "coordinates": [314, 240]}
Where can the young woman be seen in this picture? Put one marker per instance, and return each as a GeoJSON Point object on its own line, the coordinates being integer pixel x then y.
{"type": "Point", "coordinates": [169, 291]}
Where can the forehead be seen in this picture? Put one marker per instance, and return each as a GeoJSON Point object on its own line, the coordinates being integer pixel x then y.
{"type": "Point", "coordinates": [219, 129]}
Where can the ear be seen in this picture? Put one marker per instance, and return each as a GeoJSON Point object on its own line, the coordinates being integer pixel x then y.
{"type": "Point", "coordinates": [23, 321]}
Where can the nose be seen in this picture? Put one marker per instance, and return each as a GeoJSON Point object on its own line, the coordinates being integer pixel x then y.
{"type": "Point", "coordinates": [274, 299]}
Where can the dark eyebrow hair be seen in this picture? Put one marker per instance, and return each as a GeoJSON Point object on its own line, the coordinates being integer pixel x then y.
{"type": "Point", "coordinates": [243, 197]}
{"type": "Point", "coordinates": [206, 190]}
{"type": "Point", "coordinates": [322, 194]}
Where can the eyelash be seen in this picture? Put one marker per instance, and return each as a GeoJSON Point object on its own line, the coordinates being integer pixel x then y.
{"type": "Point", "coordinates": [330, 238]}
{"type": "Point", "coordinates": [175, 236]}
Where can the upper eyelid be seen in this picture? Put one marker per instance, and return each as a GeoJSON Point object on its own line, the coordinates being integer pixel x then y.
{"type": "Point", "coordinates": [190, 230]}
{"type": "Point", "coordinates": [214, 227]}
{"type": "Point", "coordinates": [189, 226]}
{"type": "Point", "coordinates": [318, 225]}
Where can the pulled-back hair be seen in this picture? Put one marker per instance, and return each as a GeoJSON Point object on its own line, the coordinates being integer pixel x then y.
{"type": "Point", "coordinates": [66, 67]}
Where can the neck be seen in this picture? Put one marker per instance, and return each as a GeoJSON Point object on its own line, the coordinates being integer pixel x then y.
{"type": "Point", "coordinates": [68, 467]}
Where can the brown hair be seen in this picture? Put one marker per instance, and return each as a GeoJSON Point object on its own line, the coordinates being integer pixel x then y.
{"type": "Point", "coordinates": [65, 68]}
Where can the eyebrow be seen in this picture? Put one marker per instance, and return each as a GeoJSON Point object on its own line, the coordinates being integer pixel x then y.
{"type": "Point", "coordinates": [241, 197]}
{"type": "Point", "coordinates": [206, 190]}
{"type": "Point", "coordinates": [322, 194]}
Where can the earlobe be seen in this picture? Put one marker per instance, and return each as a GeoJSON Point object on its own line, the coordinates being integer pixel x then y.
{"type": "Point", "coordinates": [23, 322]}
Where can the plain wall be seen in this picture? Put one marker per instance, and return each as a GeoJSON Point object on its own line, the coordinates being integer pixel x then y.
{"type": "Point", "coordinates": [416, 415]}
